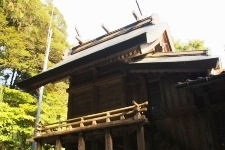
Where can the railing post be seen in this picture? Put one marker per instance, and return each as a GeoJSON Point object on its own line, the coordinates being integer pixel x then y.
{"type": "Point", "coordinates": [94, 122]}
{"type": "Point", "coordinates": [107, 117]}
{"type": "Point", "coordinates": [59, 127]}
{"type": "Point", "coordinates": [58, 145]}
{"type": "Point", "coordinates": [136, 110]}
{"type": "Point", "coordinates": [108, 140]}
{"type": "Point", "coordinates": [81, 142]}
{"type": "Point", "coordinates": [38, 129]}
{"type": "Point", "coordinates": [39, 145]}
{"type": "Point", "coordinates": [69, 127]}
{"type": "Point", "coordinates": [140, 138]}
{"type": "Point", "coordinates": [122, 117]}
{"type": "Point", "coordinates": [82, 122]}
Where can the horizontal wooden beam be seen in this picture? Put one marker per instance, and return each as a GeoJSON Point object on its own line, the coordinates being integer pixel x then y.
{"type": "Point", "coordinates": [184, 53]}
{"type": "Point", "coordinates": [123, 122]}
{"type": "Point", "coordinates": [95, 134]}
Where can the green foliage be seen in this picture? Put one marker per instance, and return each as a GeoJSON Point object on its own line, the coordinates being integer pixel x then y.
{"type": "Point", "coordinates": [18, 110]}
{"type": "Point", "coordinates": [54, 103]}
{"type": "Point", "coordinates": [16, 119]}
{"type": "Point", "coordinates": [13, 53]}
{"type": "Point", "coordinates": [190, 46]}
{"type": "Point", "coordinates": [24, 27]}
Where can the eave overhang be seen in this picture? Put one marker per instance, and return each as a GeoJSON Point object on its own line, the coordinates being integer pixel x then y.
{"type": "Point", "coordinates": [172, 64]}
{"type": "Point", "coordinates": [127, 44]}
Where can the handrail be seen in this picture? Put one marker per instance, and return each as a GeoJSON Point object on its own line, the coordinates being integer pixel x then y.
{"type": "Point", "coordinates": [94, 118]}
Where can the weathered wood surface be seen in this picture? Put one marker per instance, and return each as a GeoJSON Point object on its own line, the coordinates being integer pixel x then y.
{"type": "Point", "coordinates": [186, 129]}
{"type": "Point", "coordinates": [81, 142]}
{"type": "Point", "coordinates": [140, 139]}
{"type": "Point", "coordinates": [190, 114]}
{"type": "Point", "coordinates": [108, 140]}
{"type": "Point", "coordinates": [99, 95]}
{"type": "Point", "coordinates": [91, 120]}
{"type": "Point", "coordinates": [39, 145]}
{"type": "Point", "coordinates": [58, 145]}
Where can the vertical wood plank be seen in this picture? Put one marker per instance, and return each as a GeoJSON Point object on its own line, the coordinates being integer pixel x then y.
{"type": "Point", "coordinates": [39, 146]}
{"type": "Point", "coordinates": [174, 99]}
{"type": "Point", "coordinates": [168, 93]}
{"type": "Point", "coordinates": [108, 140]}
{"type": "Point", "coordinates": [174, 130]}
{"type": "Point", "coordinates": [205, 140]}
{"type": "Point", "coordinates": [81, 142]}
{"type": "Point", "coordinates": [183, 131]}
{"type": "Point", "coordinates": [144, 92]}
{"type": "Point", "coordinates": [211, 123]}
{"type": "Point", "coordinates": [95, 99]}
{"type": "Point", "coordinates": [182, 92]}
{"type": "Point", "coordinates": [135, 92]}
{"type": "Point", "coordinates": [126, 142]}
{"type": "Point", "coordinates": [58, 145]}
{"type": "Point", "coordinates": [70, 99]}
{"type": "Point", "coordinates": [140, 139]}
{"type": "Point", "coordinates": [163, 95]}
{"type": "Point", "coordinates": [124, 92]}
{"type": "Point", "coordinates": [193, 132]}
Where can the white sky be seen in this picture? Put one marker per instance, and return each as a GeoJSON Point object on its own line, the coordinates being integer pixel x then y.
{"type": "Point", "coordinates": [187, 19]}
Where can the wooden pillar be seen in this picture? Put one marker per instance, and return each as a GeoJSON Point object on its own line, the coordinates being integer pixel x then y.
{"type": "Point", "coordinates": [108, 140]}
{"type": "Point", "coordinates": [70, 98]}
{"type": "Point", "coordinates": [126, 142]}
{"type": "Point", "coordinates": [140, 139]}
{"type": "Point", "coordinates": [81, 142]}
{"type": "Point", "coordinates": [58, 145]}
{"type": "Point", "coordinates": [39, 146]}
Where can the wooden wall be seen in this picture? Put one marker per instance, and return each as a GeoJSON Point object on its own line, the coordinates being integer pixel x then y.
{"type": "Point", "coordinates": [179, 115]}
{"type": "Point", "coordinates": [81, 103]}
{"type": "Point", "coordinates": [110, 96]}
{"type": "Point", "coordinates": [189, 132]}
{"type": "Point", "coordinates": [97, 96]}
{"type": "Point", "coordinates": [186, 118]}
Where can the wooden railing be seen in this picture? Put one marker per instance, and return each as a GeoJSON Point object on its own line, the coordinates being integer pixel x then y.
{"type": "Point", "coordinates": [93, 120]}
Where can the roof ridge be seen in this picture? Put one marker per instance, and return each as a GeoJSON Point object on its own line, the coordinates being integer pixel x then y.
{"type": "Point", "coordinates": [138, 24]}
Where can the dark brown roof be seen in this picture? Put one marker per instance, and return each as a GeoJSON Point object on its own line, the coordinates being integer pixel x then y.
{"type": "Point", "coordinates": [188, 61]}
{"type": "Point", "coordinates": [104, 48]}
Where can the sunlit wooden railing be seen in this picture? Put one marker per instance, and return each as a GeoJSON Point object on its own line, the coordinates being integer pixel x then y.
{"type": "Point", "coordinates": [134, 111]}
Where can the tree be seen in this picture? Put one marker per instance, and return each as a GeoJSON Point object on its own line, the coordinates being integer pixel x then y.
{"type": "Point", "coordinates": [190, 46]}
{"type": "Point", "coordinates": [16, 119]}
{"type": "Point", "coordinates": [23, 31]}
{"type": "Point", "coordinates": [26, 23]}
{"type": "Point", "coordinates": [17, 114]}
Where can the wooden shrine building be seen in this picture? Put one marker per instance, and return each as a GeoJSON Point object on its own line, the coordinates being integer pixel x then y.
{"type": "Point", "coordinates": [130, 89]}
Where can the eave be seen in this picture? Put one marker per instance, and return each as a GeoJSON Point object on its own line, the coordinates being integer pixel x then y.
{"type": "Point", "coordinates": [126, 45]}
